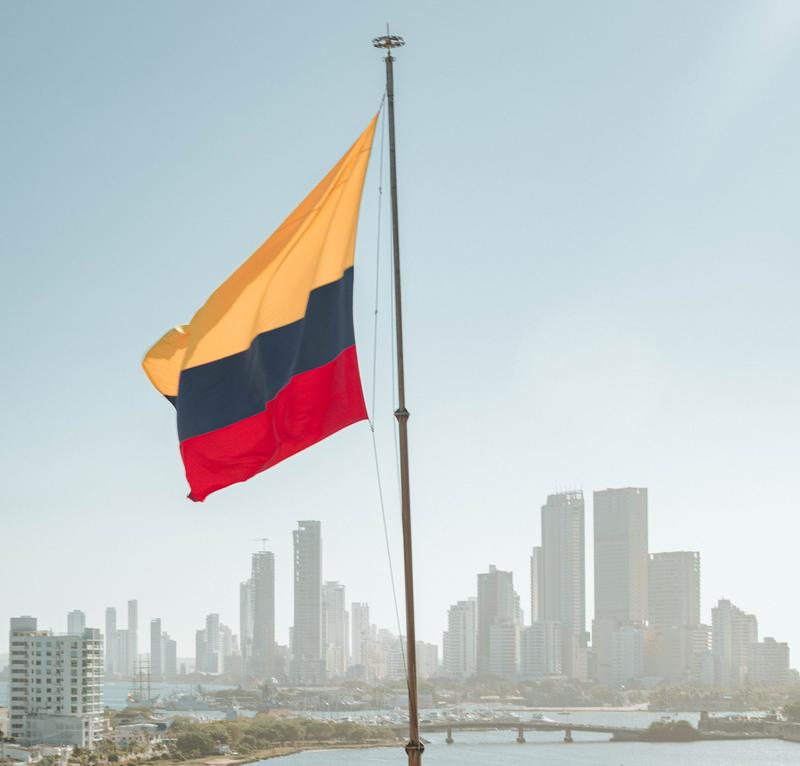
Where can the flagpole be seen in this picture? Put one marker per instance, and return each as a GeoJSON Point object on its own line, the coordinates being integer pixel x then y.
{"type": "Point", "coordinates": [414, 747]}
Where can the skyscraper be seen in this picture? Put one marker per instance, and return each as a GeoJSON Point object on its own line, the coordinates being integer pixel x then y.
{"type": "Point", "coordinates": [170, 656]}
{"type": "Point", "coordinates": [360, 632]}
{"type": "Point", "coordinates": [621, 555]}
{"type": "Point", "coordinates": [620, 571]}
{"type": "Point", "coordinates": [111, 662]}
{"type": "Point", "coordinates": [133, 637]}
{"type": "Point", "coordinates": [732, 634]}
{"type": "Point", "coordinates": [674, 588]}
{"type": "Point", "coordinates": [459, 643]}
{"type": "Point", "coordinates": [76, 622]}
{"type": "Point", "coordinates": [768, 664]}
{"type": "Point", "coordinates": [537, 584]}
{"type": "Point", "coordinates": [497, 603]}
{"type": "Point", "coordinates": [335, 629]}
{"type": "Point", "coordinates": [213, 661]}
{"type": "Point", "coordinates": [504, 648]}
{"type": "Point", "coordinates": [308, 665]}
{"type": "Point", "coordinates": [246, 624]}
{"type": "Point", "coordinates": [563, 574]}
{"type": "Point", "coordinates": [262, 577]}
{"type": "Point", "coordinates": [541, 649]}
{"type": "Point", "coordinates": [156, 648]}
{"type": "Point", "coordinates": [200, 651]}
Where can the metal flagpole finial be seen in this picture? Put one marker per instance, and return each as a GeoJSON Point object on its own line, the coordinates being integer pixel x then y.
{"type": "Point", "coordinates": [388, 42]}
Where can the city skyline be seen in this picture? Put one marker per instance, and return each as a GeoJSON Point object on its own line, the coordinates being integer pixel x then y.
{"type": "Point", "coordinates": [642, 230]}
{"type": "Point", "coordinates": [669, 581]}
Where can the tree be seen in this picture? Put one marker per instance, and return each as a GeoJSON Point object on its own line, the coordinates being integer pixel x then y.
{"type": "Point", "coordinates": [792, 711]}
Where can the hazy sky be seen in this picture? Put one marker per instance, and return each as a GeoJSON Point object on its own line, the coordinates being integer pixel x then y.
{"type": "Point", "coordinates": [600, 231]}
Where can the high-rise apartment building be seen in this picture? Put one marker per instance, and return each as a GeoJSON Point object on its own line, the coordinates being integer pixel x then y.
{"type": "Point", "coordinates": [170, 656]}
{"type": "Point", "coordinates": [628, 654]}
{"type": "Point", "coordinates": [111, 661]}
{"type": "Point", "coordinates": [674, 588]}
{"type": "Point", "coordinates": [335, 629]}
{"type": "Point", "coordinates": [504, 648]}
{"type": "Point", "coordinates": [76, 622]}
{"type": "Point", "coordinates": [459, 642]}
{"type": "Point", "coordinates": [769, 663]}
{"type": "Point", "coordinates": [132, 643]}
{"type": "Point", "coordinates": [537, 584]}
{"type": "Point", "coordinates": [214, 654]}
{"type": "Point", "coordinates": [674, 615]}
{"type": "Point", "coordinates": [360, 633]}
{"type": "Point", "coordinates": [56, 685]}
{"type": "Point", "coordinates": [246, 628]}
{"type": "Point", "coordinates": [497, 603]}
{"type": "Point", "coordinates": [308, 664]}
{"type": "Point", "coordinates": [540, 650]}
{"type": "Point", "coordinates": [732, 633]}
{"type": "Point", "coordinates": [427, 659]}
{"type": "Point", "coordinates": [156, 649]}
{"type": "Point", "coordinates": [563, 574]}
{"type": "Point", "coordinates": [257, 617]}
{"type": "Point", "coordinates": [621, 563]}
{"type": "Point", "coordinates": [200, 651]}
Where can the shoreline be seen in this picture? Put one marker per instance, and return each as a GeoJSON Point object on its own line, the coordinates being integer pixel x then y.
{"type": "Point", "coordinates": [279, 751]}
{"type": "Point", "coordinates": [641, 707]}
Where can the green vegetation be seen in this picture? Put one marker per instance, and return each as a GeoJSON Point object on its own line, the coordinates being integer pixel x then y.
{"type": "Point", "coordinates": [792, 711]}
{"type": "Point", "coordinates": [689, 697]}
{"type": "Point", "coordinates": [250, 735]}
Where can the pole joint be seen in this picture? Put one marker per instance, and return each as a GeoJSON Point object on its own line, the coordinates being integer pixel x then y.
{"type": "Point", "coordinates": [402, 414]}
{"type": "Point", "coordinates": [414, 747]}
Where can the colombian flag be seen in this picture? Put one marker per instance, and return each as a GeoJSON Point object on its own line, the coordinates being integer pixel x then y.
{"type": "Point", "coordinates": [268, 367]}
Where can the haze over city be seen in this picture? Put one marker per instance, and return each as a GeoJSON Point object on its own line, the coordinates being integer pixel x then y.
{"type": "Point", "coordinates": [600, 285]}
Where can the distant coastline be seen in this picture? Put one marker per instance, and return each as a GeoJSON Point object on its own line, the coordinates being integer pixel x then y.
{"type": "Point", "coordinates": [279, 751]}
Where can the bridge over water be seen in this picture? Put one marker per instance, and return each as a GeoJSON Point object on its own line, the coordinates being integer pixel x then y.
{"type": "Point", "coordinates": [513, 724]}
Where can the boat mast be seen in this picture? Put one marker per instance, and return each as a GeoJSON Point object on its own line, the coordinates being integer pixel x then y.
{"type": "Point", "coordinates": [414, 747]}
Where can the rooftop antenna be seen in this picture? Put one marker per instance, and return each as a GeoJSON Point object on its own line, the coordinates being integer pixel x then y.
{"type": "Point", "coordinates": [263, 541]}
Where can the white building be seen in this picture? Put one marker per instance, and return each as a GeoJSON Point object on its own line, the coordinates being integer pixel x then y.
{"type": "Point", "coordinates": [497, 602]}
{"type": "Point", "coordinates": [504, 648]}
{"type": "Point", "coordinates": [732, 633]}
{"type": "Point", "coordinates": [674, 588]}
{"type": "Point", "coordinates": [627, 645]}
{"type": "Point", "coordinates": [563, 574]}
{"type": "Point", "coordinates": [427, 659]}
{"type": "Point", "coordinates": [132, 640]}
{"type": "Point", "coordinates": [111, 662]}
{"type": "Point", "coordinates": [56, 692]}
{"type": "Point", "coordinates": [459, 642]}
{"type": "Point", "coordinates": [76, 622]}
{"type": "Point", "coordinates": [621, 566]}
{"type": "Point", "coordinates": [769, 663]}
{"type": "Point", "coordinates": [156, 649]}
{"type": "Point", "coordinates": [540, 650]}
{"type": "Point", "coordinates": [335, 629]}
{"type": "Point", "coordinates": [360, 633]}
{"type": "Point", "coordinates": [537, 584]}
{"type": "Point", "coordinates": [308, 661]}
{"type": "Point", "coordinates": [258, 617]}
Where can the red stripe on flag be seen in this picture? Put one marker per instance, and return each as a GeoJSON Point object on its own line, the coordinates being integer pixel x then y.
{"type": "Point", "coordinates": [311, 406]}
